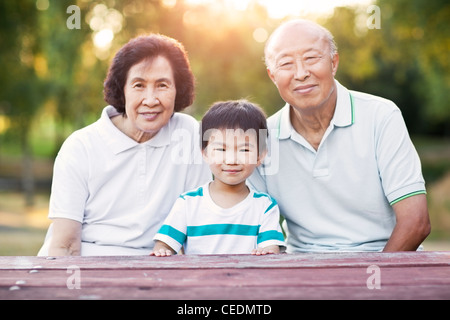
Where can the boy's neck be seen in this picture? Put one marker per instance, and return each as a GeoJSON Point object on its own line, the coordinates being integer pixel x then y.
{"type": "Point", "coordinates": [227, 196]}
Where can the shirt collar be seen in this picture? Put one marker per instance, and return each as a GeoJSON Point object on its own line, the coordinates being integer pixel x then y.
{"type": "Point", "coordinates": [118, 142]}
{"type": "Point", "coordinates": [343, 114]}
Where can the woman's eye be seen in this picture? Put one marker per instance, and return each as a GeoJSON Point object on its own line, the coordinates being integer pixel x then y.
{"type": "Point", "coordinates": [163, 85]}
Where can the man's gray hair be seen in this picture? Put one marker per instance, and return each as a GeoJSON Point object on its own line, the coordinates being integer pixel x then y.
{"type": "Point", "coordinates": [329, 36]}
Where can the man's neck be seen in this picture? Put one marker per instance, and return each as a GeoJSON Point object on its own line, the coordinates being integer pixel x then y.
{"type": "Point", "coordinates": [312, 123]}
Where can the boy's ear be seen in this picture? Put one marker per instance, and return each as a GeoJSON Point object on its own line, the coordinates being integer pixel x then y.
{"type": "Point", "coordinates": [261, 157]}
{"type": "Point", "coordinates": [205, 155]}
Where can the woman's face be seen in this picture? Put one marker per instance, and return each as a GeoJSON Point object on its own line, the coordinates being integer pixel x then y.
{"type": "Point", "coordinates": [149, 98]}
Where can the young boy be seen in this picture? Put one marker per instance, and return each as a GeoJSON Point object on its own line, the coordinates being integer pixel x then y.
{"type": "Point", "coordinates": [225, 216]}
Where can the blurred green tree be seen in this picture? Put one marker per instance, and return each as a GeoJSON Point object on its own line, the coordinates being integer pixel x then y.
{"type": "Point", "coordinates": [406, 60]}
{"type": "Point", "coordinates": [22, 91]}
{"type": "Point", "coordinates": [420, 31]}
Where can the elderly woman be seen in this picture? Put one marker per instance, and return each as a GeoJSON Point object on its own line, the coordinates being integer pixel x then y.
{"type": "Point", "coordinates": [115, 180]}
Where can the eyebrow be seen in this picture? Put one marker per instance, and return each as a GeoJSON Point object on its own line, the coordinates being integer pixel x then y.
{"type": "Point", "coordinates": [222, 143]}
{"type": "Point", "coordinates": [139, 79]}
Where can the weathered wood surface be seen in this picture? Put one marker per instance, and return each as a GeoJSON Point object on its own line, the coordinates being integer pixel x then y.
{"type": "Point", "coordinates": [404, 275]}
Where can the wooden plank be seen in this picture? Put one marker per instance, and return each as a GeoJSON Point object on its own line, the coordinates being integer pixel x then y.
{"type": "Point", "coordinates": [231, 293]}
{"type": "Point", "coordinates": [414, 276]}
{"type": "Point", "coordinates": [235, 261]}
{"type": "Point", "coordinates": [174, 282]}
{"type": "Point", "coordinates": [408, 275]}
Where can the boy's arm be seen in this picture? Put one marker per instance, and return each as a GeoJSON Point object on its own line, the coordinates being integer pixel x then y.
{"type": "Point", "coordinates": [162, 249]}
{"type": "Point", "coordinates": [274, 249]}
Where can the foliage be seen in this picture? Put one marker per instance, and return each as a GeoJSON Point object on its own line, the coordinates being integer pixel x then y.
{"type": "Point", "coordinates": [55, 73]}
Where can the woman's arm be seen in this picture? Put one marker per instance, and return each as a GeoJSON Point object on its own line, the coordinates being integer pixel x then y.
{"type": "Point", "coordinates": [66, 238]}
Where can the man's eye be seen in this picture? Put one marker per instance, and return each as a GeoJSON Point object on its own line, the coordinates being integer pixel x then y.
{"type": "Point", "coordinates": [286, 64]}
{"type": "Point", "coordinates": [312, 59]}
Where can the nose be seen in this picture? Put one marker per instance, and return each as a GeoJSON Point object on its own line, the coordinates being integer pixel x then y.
{"type": "Point", "coordinates": [230, 157]}
{"type": "Point", "coordinates": [150, 98]}
{"type": "Point", "coordinates": [301, 70]}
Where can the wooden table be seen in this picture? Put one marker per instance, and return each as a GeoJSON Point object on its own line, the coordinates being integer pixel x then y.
{"type": "Point", "coordinates": [404, 275]}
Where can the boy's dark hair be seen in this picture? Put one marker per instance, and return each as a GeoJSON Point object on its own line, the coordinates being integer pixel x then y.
{"type": "Point", "coordinates": [149, 47]}
{"type": "Point", "coordinates": [235, 114]}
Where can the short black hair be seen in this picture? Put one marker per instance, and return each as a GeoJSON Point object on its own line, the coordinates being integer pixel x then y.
{"type": "Point", "coordinates": [235, 114]}
{"type": "Point", "coordinates": [149, 47]}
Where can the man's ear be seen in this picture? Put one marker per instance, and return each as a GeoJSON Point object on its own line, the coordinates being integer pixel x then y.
{"type": "Point", "coordinates": [271, 76]}
{"type": "Point", "coordinates": [335, 63]}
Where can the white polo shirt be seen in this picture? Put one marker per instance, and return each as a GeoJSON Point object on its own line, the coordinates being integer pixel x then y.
{"type": "Point", "coordinates": [339, 197]}
{"type": "Point", "coordinates": [121, 191]}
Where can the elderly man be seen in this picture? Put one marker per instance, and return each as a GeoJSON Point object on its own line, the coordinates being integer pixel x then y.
{"type": "Point", "coordinates": [347, 177]}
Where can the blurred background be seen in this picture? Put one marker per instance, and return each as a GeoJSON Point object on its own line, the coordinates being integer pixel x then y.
{"type": "Point", "coordinates": [54, 59]}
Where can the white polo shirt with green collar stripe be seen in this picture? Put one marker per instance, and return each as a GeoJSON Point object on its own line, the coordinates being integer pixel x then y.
{"type": "Point", "coordinates": [340, 197]}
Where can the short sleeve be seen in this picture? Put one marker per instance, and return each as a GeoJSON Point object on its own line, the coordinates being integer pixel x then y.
{"type": "Point", "coordinates": [398, 162]}
{"type": "Point", "coordinates": [173, 231]}
{"type": "Point", "coordinates": [270, 230]}
{"type": "Point", "coordinates": [69, 186]}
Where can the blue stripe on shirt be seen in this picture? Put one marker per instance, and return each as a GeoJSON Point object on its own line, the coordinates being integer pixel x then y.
{"type": "Point", "coordinates": [270, 235]}
{"type": "Point", "coordinates": [173, 233]}
{"type": "Point", "coordinates": [230, 229]}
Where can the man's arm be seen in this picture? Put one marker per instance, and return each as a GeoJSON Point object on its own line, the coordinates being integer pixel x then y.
{"type": "Point", "coordinates": [66, 238]}
{"type": "Point", "coordinates": [413, 224]}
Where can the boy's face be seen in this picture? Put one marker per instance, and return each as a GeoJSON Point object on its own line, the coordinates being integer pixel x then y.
{"type": "Point", "coordinates": [232, 154]}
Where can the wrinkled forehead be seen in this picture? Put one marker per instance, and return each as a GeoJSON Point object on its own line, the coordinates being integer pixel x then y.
{"type": "Point", "coordinates": [297, 37]}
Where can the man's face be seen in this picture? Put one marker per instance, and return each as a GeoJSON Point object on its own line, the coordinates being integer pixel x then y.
{"type": "Point", "coordinates": [301, 66]}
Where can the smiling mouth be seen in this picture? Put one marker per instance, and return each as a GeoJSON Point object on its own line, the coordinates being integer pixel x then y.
{"type": "Point", "coordinates": [232, 171]}
{"type": "Point", "coordinates": [149, 115]}
{"type": "Point", "coordinates": [304, 89]}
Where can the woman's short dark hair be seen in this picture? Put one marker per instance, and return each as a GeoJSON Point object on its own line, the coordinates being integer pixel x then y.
{"type": "Point", "coordinates": [144, 47]}
{"type": "Point", "coordinates": [235, 114]}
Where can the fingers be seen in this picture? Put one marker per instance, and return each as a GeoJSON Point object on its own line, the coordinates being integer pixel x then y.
{"type": "Point", "coordinates": [262, 252]}
{"type": "Point", "coordinates": [161, 253]}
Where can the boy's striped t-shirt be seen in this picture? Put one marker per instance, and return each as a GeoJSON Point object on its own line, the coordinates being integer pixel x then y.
{"type": "Point", "coordinates": [203, 227]}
